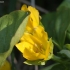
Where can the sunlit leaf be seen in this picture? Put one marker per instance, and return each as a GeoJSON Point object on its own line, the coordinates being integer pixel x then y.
{"type": "Point", "coordinates": [11, 29]}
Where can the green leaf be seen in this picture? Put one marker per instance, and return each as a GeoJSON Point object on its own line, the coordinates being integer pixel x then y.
{"type": "Point", "coordinates": [48, 21]}
{"type": "Point", "coordinates": [65, 52]}
{"type": "Point", "coordinates": [64, 4]}
{"type": "Point", "coordinates": [58, 67]}
{"type": "Point", "coordinates": [67, 46]}
{"type": "Point", "coordinates": [35, 62]}
{"type": "Point", "coordinates": [68, 33]}
{"type": "Point", "coordinates": [49, 67]}
{"type": "Point", "coordinates": [12, 27]}
{"type": "Point", "coordinates": [68, 66]}
{"type": "Point", "coordinates": [56, 25]}
{"type": "Point", "coordinates": [61, 25]}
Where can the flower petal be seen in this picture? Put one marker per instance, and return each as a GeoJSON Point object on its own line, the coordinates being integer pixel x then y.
{"type": "Point", "coordinates": [20, 47]}
{"type": "Point", "coordinates": [24, 8]}
{"type": "Point", "coordinates": [49, 50]}
{"type": "Point", "coordinates": [34, 16]}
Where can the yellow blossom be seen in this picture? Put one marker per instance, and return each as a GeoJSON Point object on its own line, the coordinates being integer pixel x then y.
{"type": "Point", "coordinates": [34, 44]}
{"type": "Point", "coordinates": [6, 66]}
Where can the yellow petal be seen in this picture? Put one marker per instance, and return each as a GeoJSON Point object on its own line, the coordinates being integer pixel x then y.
{"type": "Point", "coordinates": [29, 26]}
{"type": "Point", "coordinates": [24, 8]}
{"type": "Point", "coordinates": [38, 44]}
{"type": "Point", "coordinates": [27, 38]}
{"type": "Point", "coordinates": [40, 33]}
{"type": "Point", "coordinates": [49, 50]}
{"type": "Point", "coordinates": [33, 41]}
{"type": "Point", "coordinates": [33, 20]}
{"type": "Point", "coordinates": [30, 55]}
{"type": "Point", "coordinates": [20, 47]}
{"type": "Point", "coordinates": [34, 16]}
{"type": "Point", "coordinates": [27, 50]}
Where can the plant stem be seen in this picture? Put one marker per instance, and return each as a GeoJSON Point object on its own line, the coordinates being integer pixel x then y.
{"type": "Point", "coordinates": [36, 67]}
{"type": "Point", "coordinates": [12, 60]}
{"type": "Point", "coordinates": [57, 59]}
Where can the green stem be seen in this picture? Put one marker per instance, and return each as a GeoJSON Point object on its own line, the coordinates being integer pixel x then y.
{"type": "Point", "coordinates": [12, 60]}
{"type": "Point", "coordinates": [36, 67]}
{"type": "Point", "coordinates": [58, 46]}
{"type": "Point", "coordinates": [57, 59]}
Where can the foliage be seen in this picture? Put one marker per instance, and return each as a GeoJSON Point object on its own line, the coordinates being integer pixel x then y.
{"type": "Point", "coordinates": [10, 32]}
{"type": "Point", "coordinates": [57, 25]}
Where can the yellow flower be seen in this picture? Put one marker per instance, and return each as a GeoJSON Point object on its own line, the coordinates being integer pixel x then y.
{"type": "Point", "coordinates": [34, 44]}
{"type": "Point", "coordinates": [6, 66]}
{"type": "Point", "coordinates": [33, 20]}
